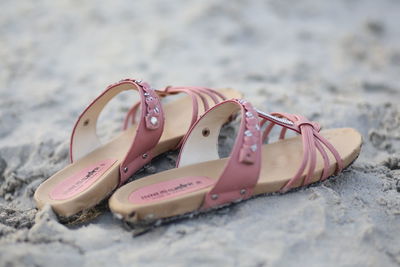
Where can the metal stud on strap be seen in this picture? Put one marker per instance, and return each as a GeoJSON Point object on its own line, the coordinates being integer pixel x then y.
{"type": "Point", "coordinates": [274, 118]}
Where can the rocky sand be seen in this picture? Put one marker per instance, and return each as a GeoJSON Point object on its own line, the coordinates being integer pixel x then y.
{"type": "Point", "coordinates": [337, 62]}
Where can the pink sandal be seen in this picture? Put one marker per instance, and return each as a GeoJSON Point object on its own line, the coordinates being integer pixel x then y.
{"type": "Point", "coordinates": [203, 181]}
{"type": "Point", "coordinates": [97, 169]}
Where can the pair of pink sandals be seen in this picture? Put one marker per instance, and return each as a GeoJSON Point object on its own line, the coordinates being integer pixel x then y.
{"type": "Point", "coordinates": [201, 180]}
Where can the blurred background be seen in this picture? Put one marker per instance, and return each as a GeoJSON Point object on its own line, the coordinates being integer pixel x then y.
{"type": "Point", "coordinates": [337, 62]}
{"type": "Point", "coordinates": [60, 55]}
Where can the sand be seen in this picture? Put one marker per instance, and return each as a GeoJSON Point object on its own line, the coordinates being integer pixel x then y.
{"type": "Point", "coordinates": [337, 62]}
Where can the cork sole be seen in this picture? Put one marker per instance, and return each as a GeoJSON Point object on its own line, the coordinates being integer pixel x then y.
{"type": "Point", "coordinates": [280, 161]}
{"type": "Point", "coordinates": [177, 121]}
{"type": "Point", "coordinates": [141, 227]}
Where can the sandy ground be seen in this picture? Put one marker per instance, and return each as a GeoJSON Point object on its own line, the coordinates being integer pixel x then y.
{"type": "Point", "coordinates": [337, 62]}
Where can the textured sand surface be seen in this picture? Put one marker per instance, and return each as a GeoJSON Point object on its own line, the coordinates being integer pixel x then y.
{"type": "Point", "coordinates": [337, 62]}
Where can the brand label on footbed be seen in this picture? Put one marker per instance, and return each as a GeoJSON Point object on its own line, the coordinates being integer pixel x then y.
{"type": "Point", "coordinates": [80, 181]}
{"type": "Point", "coordinates": [169, 189]}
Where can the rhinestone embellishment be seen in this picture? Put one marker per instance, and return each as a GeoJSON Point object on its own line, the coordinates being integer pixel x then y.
{"type": "Point", "coordinates": [153, 108]}
{"type": "Point", "coordinates": [154, 120]}
{"type": "Point", "coordinates": [248, 133]}
{"type": "Point", "coordinates": [152, 103]}
{"type": "Point", "coordinates": [249, 114]}
{"type": "Point", "coordinates": [251, 134]}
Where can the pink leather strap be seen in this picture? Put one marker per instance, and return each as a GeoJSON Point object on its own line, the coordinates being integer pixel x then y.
{"type": "Point", "coordinates": [84, 138]}
{"type": "Point", "coordinates": [312, 142]}
{"type": "Point", "coordinates": [131, 115]}
{"type": "Point", "coordinates": [241, 172]}
{"type": "Point", "coordinates": [192, 94]}
{"type": "Point", "coordinates": [198, 95]}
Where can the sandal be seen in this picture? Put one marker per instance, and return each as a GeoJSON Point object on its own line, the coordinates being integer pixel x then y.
{"type": "Point", "coordinates": [203, 181]}
{"type": "Point", "coordinates": [97, 169]}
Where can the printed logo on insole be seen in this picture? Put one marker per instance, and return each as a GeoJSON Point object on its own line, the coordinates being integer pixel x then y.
{"type": "Point", "coordinates": [169, 189]}
{"type": "Point", "coordinates": [80, 181]}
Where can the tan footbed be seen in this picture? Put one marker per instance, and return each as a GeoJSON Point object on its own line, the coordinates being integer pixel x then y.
{"type": "Point", "coordinates": [280, 161]}
{"type": "Point", "coordinates": [178, 114]}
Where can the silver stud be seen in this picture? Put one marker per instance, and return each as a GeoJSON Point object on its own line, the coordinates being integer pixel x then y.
{"type": "Point", "coordinates": [145, 155]}
{"type": "Point", "coordinates": [214, 196]}
{"type": "Point", "coordinates": [253, 148]}
{"type": "Point", "coordinates": [125, 169]}
{"type": "Point", "coordinates": [157, 110]}
{"type": "Point", "coordinates": [243, 191]}
{"type": "Point", "coordinates": [153, 120]}
{"type": "Point", "coordinates": [146, 94]}
{"type": "Point", "coordinates": [248, 133]}
{"type": "Point", "coordinates": [282, 120]}
{"type": "Point", "coordinates": [258, 127]}
{"type": "Point", "coordinates": [242, 101]}
{"type": "Point", "coordinates": [138, 81]}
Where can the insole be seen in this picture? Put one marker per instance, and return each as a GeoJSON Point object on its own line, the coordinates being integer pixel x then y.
{"type": "Point", "coordinates": [182, 190]}
{"type": "Point", "coordinates": [89, 180]}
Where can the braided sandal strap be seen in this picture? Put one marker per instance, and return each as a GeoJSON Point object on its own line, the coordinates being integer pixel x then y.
{"type": "Point", "coordinates": [313, 142]}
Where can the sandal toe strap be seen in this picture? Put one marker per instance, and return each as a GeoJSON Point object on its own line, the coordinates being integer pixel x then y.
{"type": "Point", "coordinates": [313, 142]}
